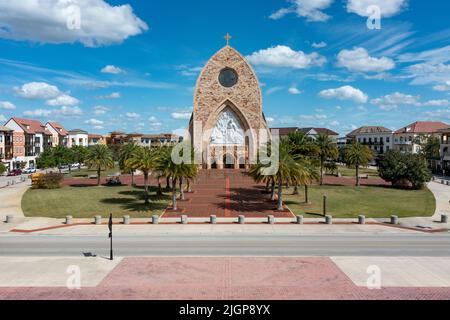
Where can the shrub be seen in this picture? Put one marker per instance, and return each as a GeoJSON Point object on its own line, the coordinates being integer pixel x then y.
{"type": "Point", "coordinates": [404, 170]}
{"type": "Point", "coordinates": [2, 168]}
{"type": "Point", "coordinates": [49, 181]}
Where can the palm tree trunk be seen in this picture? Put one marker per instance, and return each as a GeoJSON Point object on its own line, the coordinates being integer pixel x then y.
{"type": "Point", "coordinates": [306, 194]}
{"type": "Point", "coordinates": [181, 190]}
{"type": "Point", "coordinates": [321, 170]}
{"type": "Point", "coordinates": [267, 185]}
{"type": "Point", "coordinates": [132, 178]}
{"type": "Point", "coordinates": [146, 188]}
{"type": "Point", "coordinates": [167, 183]}
{"type": "Point", "coordinates": [295, 190]}
{"type": "Point", "coordinates": [174, 194]}
{"type": "Point", "coordinates": [189, 185]}
{"type": "Point", "coordinates": [159, 192]}
{"type": "Point", "coordinates": [98, 176]}
{"type": "Point", "coordinates": [272, 197]}
{"type": "Point", "coordinates": [280, 196]}
{"type": "Point", "coordinates": [357, 175]}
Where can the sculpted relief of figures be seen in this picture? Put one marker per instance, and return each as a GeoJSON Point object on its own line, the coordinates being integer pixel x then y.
{"type": "Point", "coordinates": [228, 130]}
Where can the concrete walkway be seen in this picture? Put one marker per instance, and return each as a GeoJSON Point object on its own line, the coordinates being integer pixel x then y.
{"type": "Point", "coordinates": [441, 193]}
{"type": "Point", "coordinates": [11, 200]}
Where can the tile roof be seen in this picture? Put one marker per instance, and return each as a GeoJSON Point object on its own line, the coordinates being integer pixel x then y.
{"type": "Point", "coordinates": [61, 131]}
{"type": "Point", "coordinates": [77, 131]}
{"type": "Point", "coordinates": [369, 130]}
{"type": "Point", "coordinates": [95, 136]}
{"type": "Point", "coordinates": [326, 131]}
{"type": "Point", "coordinates": [32, 126]}
{"type": "Point", "coordinates": [5, 129]}
{"type": "Point", "coordinates": [423, 127]}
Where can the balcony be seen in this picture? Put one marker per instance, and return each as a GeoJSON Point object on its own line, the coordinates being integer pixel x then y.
{"type": "Point", "coordinates": [404, 143]}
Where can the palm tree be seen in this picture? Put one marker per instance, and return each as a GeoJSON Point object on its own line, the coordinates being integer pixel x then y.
{"type": "Point", "coordinates": [126, 153]}
{"type": "Point", "coordinates": [326, 149]}
{"type": "Point", "coordinates": [100, 158]}
{"type": "Point", "coordinates": [143, 159]}
{"type": "Point", "coordinates": [163, 155]}
{"type": "Point", "coordinates": [256, 173]}
{"type": "Point", "coordinates": [357, 155]}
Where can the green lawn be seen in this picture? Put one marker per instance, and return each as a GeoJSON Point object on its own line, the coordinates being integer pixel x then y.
{"type": "Point", "coordinates": [84, 173]}
{"type": "Point", "coordinates": [348, 172]}
{"type": "Point", "coordinates": [86, 202]}
{"type": "Point", "coordinates": [373, 202]}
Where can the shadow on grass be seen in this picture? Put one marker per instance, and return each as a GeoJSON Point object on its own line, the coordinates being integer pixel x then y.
{"type": "Point", "coordinates": [136, 205]}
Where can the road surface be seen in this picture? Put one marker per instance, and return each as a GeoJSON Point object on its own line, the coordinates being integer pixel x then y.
{"type": "Point", "coordinates": [408, 245]}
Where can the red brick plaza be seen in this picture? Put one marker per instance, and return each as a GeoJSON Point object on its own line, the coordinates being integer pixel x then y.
{"type": "Point", "coordinates": [265, 278]}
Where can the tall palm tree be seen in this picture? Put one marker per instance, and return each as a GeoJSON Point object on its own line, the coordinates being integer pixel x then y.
{"type": "Point", "coordinates": [126, 153]}
{"type": "Point", "coordinates": [327, 149]}
{"type": "Point", "coordinates": [143, 159]}
{"type": "Point", "coordinates": [163, 155]}
{"type": "Point", "coordinates": [357, 155]}
{"type": "Point", "coordinates": [100, 158]}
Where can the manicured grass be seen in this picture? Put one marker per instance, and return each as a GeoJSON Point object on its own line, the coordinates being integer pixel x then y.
{"type": "Point", "coordinates": [84, 173]}
{"type": "Point", "coordinates": [371, 201]}
{"type": "Point", "coordinates": [348, 172]}
{"type": "Point", "coordinates": [86, 202]}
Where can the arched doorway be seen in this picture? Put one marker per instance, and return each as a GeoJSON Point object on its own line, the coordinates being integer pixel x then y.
{"type": "Point", "coordinates": [228, 161]}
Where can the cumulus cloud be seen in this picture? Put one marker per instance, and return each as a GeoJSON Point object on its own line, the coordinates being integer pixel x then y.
{"type": "Point", "coordinates": [442, 87]}
{"type": "Point", "coordinates": [388, 8]}
{"type": "Point", "coordinates": [345, 93]}
{"type": "Point", "coordinates": [294, 91]}
{"type": "Point", "coordinates": [359, 60]}
{"type": "Point", "coordinates": [435, 103]}
{"type": "Point", "coordinates": [38, 90]}
{"type": "Point", "coordinates": [181, 115]}
{"type": "Point", "coordinates": [426, 73]}
{"type": "Point", "coordinates": [100, 110]}
{"type": "Point", "coordinates": [94, 122]}
{"type": "Point", "coordinates": [132, 115]}
{"type": "Point", "coordinates": [91, 22]}
{"type": "Point", "coordinates": [63, 112]}
{"type": "Point", "coordinates": [114, 95]}
{"type": "Point", "coordinates": [311, 10]}
{"type": "Point", "coordinates": [63, 100]}
{"type": "Point", "coordinates": [7, 105]}
{"type": "Point", "coordinates": [111, 69]}
{"type": "Point", "coordinates": [284, 57]}
{"type": "Point", "coordinates": [392, 101]}
{"type": "Point", "coordinates": [319, 45]}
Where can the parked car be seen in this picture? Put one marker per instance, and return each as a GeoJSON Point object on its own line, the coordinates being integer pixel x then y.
{"type": "Point", "coordinates": [29, 171]}
{"type": "Point", "coordinates": [75, 165]}
{"type": "Point", "coordinates": [65, 167]}
{"type": "Point", "coordinates": [14, 173]}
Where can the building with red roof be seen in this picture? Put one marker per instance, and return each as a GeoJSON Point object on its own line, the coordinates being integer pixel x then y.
{"type": "Point", "coordinates": [59, 134]}
{"type": "Point", "coordinates": [409, 138]}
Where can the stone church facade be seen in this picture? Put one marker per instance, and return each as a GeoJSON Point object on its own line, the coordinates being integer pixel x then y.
{"type": "Point", "coordinates": [228, 125]}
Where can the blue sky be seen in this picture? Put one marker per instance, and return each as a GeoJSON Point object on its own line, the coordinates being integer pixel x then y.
{"type": "Point", "coordinates": [132, 65]}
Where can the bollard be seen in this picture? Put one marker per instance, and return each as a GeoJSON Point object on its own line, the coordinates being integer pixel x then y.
{"type": "Point", "coordinates": [98, 220]}
{"type": "Point", "coordinates": [126, 219]}
{"type": "Point", "coordinates": [155, 219]}
{"type": "Point", "coordinates": [9, 219]}
{"type": "Point", "coordinates": [361, 219]}
{"type": "Point", "coordinates": [328, 219]}
{"type": "Point", "coordinates": [241, 220]}
{"type": "Point", "coordinates": [444, 218]}
{"type": "Point", "coordinates": [394, 219]}
{"type": "Point", "coordinates": [213, 219]}
{"type": "Point", "coordinates": [270, 219]}
{"type": "Point", "coordinates": [184, 219]}
{"type": "Point", "coordinates": [448, 183]}
{"type": "Point", "coordinates": [299, 219]}
{"type": "Point", "coordinates": [68, 220]}
{"type": "Point", "coordinates": [442, 181]}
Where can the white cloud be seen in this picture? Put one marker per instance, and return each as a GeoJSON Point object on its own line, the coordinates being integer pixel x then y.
{"type": "Point", "coordinates": [273, 89]}
{"type": "Point", "coordinates": [63, 100]}
{"type": "Point", "coordinates": [345, 93]}
{"type": "Point", "coordinates": [442, 87]}
{"type": "Point", "coordinates": [133, 115]}
{"type": "Point", "coordinates": [284, 57]}
{"type": "Point", "coordinates": [63, 112]}
{"type": "Point", "coordinates": [112, 69]}
{"type": "Point", "coordinates": [181, 115]}
{"type": "Point", "coordinates": [99, 127]}
{"type": "Point", "coordinates": [7, 105]}
{"type": "Point", "coordinates": [359, 60]}
{"type": "Point", "coordinates": [435, 103]}
{"type": "Point", "coordinates": [189, 71]}
{"type": "Point", "coordinates": [38, 90]}
{"type": "Point", "coordinates": [388, 8]}
{"type": "Point", "coordinates": [94, 122]}
{"type": "Point", "coordinates": [114, 95]}
{"type": "Point", "coordinates": [2, 118]}
{"type": "Point", "coordinates": [50, 21]}
{"type": "Point", "coordinates": [100, 110]}
{"type": "Point", "coordinates": [270, 119]}
{"type": "Point", "coordinates": [309, 9]}
{"type": "Point", "coordinates": [319, 45]}
{"type": "Point", "coordinates": [392, 101]}
{"type": "Point", "coordinates": [426, 73]}
{"type": "Point", "coordinates": [294, 91]}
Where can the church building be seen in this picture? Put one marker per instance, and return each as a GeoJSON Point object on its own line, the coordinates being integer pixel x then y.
{"type": "Point", "coordinates": [228, 125]}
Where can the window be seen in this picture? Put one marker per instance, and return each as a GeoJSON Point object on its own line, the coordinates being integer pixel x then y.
{"type": "Point", "coordinates": [228, 77]}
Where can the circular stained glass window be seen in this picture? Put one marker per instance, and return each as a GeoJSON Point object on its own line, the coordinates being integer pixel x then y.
{"type": "Point", "coordinates": [228, 78]}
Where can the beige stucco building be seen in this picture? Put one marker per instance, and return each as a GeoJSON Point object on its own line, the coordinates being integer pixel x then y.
{"type": "Point", "coordinates": [228, 124]}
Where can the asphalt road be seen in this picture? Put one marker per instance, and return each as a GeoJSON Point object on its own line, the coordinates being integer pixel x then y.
{"type": "Point", "coordinates": [231, 245]}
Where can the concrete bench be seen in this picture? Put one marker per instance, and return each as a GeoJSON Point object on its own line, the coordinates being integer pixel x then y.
{"type": "Point", "coordinates": [363, 176]}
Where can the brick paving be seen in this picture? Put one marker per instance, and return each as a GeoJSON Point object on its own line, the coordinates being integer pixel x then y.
{"type": "Point", "coordinates": [269, 278]}
{"type": "Point", "coordinates": [227, 194]}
